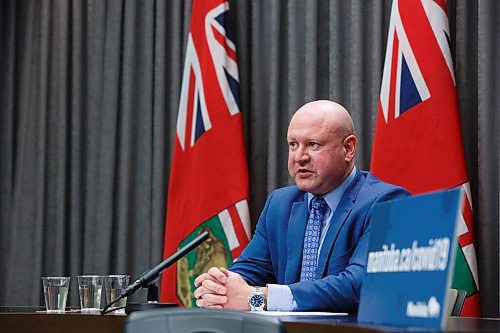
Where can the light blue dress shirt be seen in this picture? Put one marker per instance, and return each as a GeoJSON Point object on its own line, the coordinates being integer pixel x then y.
{"type": "Point", "coordinates": [280, 297]}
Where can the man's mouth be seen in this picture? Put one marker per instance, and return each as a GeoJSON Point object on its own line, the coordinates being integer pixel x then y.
{"type": "Point", "coordinates": [303, 172]}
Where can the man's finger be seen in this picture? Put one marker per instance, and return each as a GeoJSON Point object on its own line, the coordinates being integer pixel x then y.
{"type": "Point", "coordinates": [217, 274]}
{"type": "Point", "coordinates": [224, 271]}
{"type": "Point", "coordinates": [199, 292]}
{"type": "Point", "coordinates": [200, 279]}
{"type": "Point", "coordinates": [200, 303]}
{"type": "Point", "coordinates": [203, 303]}
{"type": "Point", "coordinates": [214, 287]}
{"type": "Point", "coordinates": [214, 299]}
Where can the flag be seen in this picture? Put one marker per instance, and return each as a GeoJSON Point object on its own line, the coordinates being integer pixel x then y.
{"type": "Point", "coordinates": [418, 139]}
{"type": "Point", "coordinates": [208, 184]}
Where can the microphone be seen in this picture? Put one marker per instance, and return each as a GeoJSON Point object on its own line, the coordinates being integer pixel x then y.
{"type": "Point", "coordinates": [149, 276]}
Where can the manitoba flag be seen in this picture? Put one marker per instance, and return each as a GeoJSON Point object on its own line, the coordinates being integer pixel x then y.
{"type": "Point", "coordinates": [418, 140]}
{"type": "Point", "coordinates": [208, 186]}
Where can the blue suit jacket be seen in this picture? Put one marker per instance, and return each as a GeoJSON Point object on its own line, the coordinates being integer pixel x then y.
{"type": "Point", "coordinates": [274, 255]}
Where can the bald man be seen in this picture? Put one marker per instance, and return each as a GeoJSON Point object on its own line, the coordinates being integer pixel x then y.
{"type": "Point", "coordinates": [310, 246]}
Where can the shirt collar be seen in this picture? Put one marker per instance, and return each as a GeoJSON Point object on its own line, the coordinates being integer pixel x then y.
{"type": "Point", "coordinates": [333, 197]}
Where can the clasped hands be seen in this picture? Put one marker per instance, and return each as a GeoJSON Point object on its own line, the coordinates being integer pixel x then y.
{"type": "Point", "coordinates": [220, 288]}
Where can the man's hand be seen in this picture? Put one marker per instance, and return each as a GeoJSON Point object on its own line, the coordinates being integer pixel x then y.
{"type": "Point", "coordinates": [237, 291]}
{"type": "Point", "coordinates": [222, 289]}
{"type": "Point", "coordinates": [211, 292]}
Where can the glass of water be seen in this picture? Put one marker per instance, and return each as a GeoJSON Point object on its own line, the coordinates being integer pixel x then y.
{"type": "Point", "coordinates": [55, 290]}
{"type": "Point", "coordinates": [114, 286]}
{"type": "Point", "coordinates": [90, 290]}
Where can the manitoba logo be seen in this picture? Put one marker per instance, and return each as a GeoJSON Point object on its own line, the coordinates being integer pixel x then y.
{"type": "Point", "coordinates": [214, 252]}
{"type": "Point", "coordinates": [431, 309]}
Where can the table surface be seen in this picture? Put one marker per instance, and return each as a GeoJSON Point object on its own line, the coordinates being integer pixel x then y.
{"type": "Point", "coordinates": [33, 319]}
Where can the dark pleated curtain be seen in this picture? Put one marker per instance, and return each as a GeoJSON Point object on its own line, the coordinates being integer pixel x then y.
{"type": "Point", "coordinates": [88, 101]}
{"type": "Point", "coordinates": [486, 164]}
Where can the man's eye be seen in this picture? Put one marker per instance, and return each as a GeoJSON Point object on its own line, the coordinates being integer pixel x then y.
{"type": "Point", "coordinates": [292, 144]}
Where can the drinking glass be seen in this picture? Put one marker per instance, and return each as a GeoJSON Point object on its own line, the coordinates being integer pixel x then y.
{"type": "Point", "coordinates": [55, 290]}
{"type": "Point", "coordinates": [90, 290]}
{"type": "Point", "coordinates": [114, 285]}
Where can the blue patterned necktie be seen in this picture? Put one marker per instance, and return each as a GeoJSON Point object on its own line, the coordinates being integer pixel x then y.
{"type": "Point", "coordinates": [312, 238]}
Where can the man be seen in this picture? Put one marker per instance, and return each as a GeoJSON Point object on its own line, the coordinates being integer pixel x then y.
{"type": "Point", "coordinates": [310, 246]}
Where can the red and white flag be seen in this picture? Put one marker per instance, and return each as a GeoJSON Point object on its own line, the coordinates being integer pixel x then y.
{"type": "Point", "coordinates": [208, 186]}
{"type": "Point", "coordinates": [418, 139]}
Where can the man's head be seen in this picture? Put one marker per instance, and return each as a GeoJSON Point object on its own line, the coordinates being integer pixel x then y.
{"type": "Point", "coordinates": [321, 146]}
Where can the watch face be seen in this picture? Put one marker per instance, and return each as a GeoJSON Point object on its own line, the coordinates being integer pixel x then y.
{"type": "Point", "coordinates": [257, 301]}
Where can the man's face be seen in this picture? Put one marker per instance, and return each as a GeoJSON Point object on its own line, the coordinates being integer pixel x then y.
{"type": "Point", "coordinates": [316, 154]}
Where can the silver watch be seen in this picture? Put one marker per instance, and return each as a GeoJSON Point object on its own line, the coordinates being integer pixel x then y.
{"type": "Point", "coordinates": [257, 299]}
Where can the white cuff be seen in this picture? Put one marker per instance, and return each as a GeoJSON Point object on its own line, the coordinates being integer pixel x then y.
{"type": "Point", "coordinates": [280, 298]}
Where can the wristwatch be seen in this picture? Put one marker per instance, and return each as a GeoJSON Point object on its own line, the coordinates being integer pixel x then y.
{"type": "Point", "coordinates": [257, 299]}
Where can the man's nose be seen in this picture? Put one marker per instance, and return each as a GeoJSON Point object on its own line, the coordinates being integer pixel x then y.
{"type": "Point", "coordinates": [301, 154]}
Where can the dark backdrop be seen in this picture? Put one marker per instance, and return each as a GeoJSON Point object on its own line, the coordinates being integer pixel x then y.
{"type": "Point", "coordinates": [88, 100]}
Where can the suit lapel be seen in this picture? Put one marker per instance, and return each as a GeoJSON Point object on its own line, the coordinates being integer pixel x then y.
{"type": "Point", "coordinates": [295, 240]}
{"type": "Point", "coordinates": [339, 218]}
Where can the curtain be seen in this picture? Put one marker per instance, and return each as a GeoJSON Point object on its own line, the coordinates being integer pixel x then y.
{"type": "Point", "coordinates": [487, 146]}
{"type": "Point", "coordinates": [89, 91]}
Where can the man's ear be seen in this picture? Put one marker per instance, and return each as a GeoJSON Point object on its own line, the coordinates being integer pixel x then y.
{"type": "Point", "coordinates": [350, 144]}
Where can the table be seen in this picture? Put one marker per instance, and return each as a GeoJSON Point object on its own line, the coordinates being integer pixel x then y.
{"type": "Point", "coordinates": [454, 324]}
{"type": "Point", "coordinates": [27, 320]}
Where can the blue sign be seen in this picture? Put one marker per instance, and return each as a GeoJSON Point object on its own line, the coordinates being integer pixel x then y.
{"type": "Point", "coordinates": [410, 261]}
